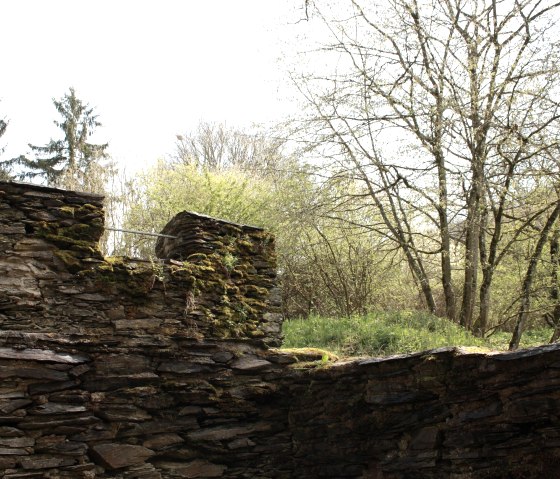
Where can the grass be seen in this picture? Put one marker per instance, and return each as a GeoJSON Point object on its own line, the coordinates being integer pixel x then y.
{"type": "Point", "coordinates": [531, 337]}
{"type": "Point", "coordinates": [387, 333]}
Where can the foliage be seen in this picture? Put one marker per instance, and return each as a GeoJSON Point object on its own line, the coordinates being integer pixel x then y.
{"type": "Point", "coordinates": [71, 161]}
{"type": "Point", "coordinates": [4, 171]}
{"type": "Point", "coordinates": [332, 268]}
{"type": "Point", "coordinates": [531, 337]}
{"type": "Point", "coordinates": [218, 171]}
{"type": "Point", "coordinates": [386, 333]}
{"type": "Point", "coordinates": [165, 190]}
{"type": "Point", "coordinates": [325, 266]}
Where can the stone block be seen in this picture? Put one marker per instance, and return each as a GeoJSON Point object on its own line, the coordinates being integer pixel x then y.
{"type": "Point", "coordinates": [116, 456]}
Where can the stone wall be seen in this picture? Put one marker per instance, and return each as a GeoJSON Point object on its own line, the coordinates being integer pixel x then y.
{"type": "Point", "coordinates": [120, 368]}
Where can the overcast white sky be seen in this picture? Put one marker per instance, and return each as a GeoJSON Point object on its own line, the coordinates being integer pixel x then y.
{"type": "Point", "coordinates": [151, 69]}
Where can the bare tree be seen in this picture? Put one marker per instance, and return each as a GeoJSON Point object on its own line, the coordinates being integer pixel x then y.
{"type": "Point", "coordinates": [215, 146]}
{"type": "Point", "coordinates": [529, 277]}
{"type": "Point", "coordinates": [553, 317]}
{"type": "Point", "coordinates": [470, 87]}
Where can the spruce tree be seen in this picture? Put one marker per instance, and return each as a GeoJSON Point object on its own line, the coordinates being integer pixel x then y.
{"type": "Point", "coordinates": [4, 170]}
{"type": "Point", "coordinates": [70, 159]}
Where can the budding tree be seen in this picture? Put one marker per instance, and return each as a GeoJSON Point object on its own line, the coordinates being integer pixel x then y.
{"type": "Point", "coordinates": [437, 108]}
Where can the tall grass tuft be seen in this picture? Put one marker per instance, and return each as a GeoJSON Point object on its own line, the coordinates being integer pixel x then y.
{"type": "Point", "coordinates": [386, 333]}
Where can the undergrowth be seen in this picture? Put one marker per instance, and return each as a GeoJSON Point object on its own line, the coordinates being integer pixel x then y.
{"type": "Point", "coordinates": [388, 333]}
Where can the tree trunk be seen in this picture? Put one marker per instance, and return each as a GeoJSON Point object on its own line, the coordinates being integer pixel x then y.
{"type": "Point", "coordinates": [482, 323]}
{"type": "Point", "coordinates": [411, 253]}
{"type": "Point", "coordinates": [528, 281]}
{"type": "Point", "coordinates": [449, 293]}
{"type": "Point", "coordinates": [554, 290]}
{"type": "Point", "coordinates": [477, 147]}
{"type": "Point", "coordinates": [487, 273]}
{"type": "Point", "coordinates": [420, 275]}
{"type": "Point", "coordinates": [490, 259]}
{"type": "Point", "coordinates": [471, 258]}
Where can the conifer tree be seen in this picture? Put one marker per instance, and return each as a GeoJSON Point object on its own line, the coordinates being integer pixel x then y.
{"type": "Point", "coordinates": [4, 170]}
{"type": "Point", "coordinates": [72, 157]}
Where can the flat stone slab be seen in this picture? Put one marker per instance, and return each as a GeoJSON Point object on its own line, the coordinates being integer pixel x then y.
{"type": "Point", "coordinates": [115, 456]}
{"type": "Point", "coordinates": [250, 363]}
{"type": "Point", "coordinates": [41, 355]}
{"type": "Point", "coordinates": [194, 469]}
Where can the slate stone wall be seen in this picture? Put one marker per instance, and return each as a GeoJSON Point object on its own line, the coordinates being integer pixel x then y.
{"type": "Point", "coordinates": [120, 368]}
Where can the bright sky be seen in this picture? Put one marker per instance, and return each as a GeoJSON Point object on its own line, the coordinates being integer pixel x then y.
{"type": "Point", "coordinates": [150, 69]}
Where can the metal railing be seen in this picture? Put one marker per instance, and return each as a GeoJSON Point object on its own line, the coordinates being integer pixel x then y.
{"type": "Point", "coordinates": [140, 232]}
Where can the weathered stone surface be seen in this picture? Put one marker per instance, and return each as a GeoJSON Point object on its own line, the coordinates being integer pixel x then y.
{"type": "Point", "coordinates": [163, 369]}
{"type": "Point", "coordinates": [116, 456]}
{"type": "Point", "coordinates": [6, 431]}
{"type": "Point", "coordinates": [222, 433]}
{"type": "Point", "coordinates": [31, 372]}
{"type": "Point", "coordinates": [44, 462]}
{"type": "Point", "coordinates": [54, 408]}
{"type": "Point", "coordinates": [146, 324]}
{"type": "Point", "coordinates": [194, 469]}
{"type": "Point", "coordinates": [12, 230]}
{"type": "Point", "coordinates": [181, 367]}
{"type": "Point", "coordinates": [250, 363]}
{"type": "Point", "coordinates": [50, 387]}
{"type": "Point", "coordinates": [162, 441]}
{"type": "Point", "coordinates": [8, 406]}
{"type": "Point", "coordinates": [240, 443]}
{"type": "Point", "coordinates": [51, 423]}
{"type": "Point", "coordinates": [123, 412]}
{"type": "Point", "coordinates": [9, 451]}
{"type": "Point", "coordinates": [222, 356]}
{"type": "Point", "coordinates": [41, 355]}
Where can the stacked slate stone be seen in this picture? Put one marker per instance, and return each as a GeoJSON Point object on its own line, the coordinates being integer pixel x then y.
{"type": "Point", "coordinates": [126, 369]}
{"type": "Point", "coordinates": [235, 268]}
{"type": "Point", "coordinates": [71, 221]}
{"type": "Point", "coordinates": [81, 411]}
{"type": "Point", "coordinates": [52, 273]}
{"type": "Point", "coordinates": [46, 235]}
{"type": "Point", "coordinates": [447, 413]}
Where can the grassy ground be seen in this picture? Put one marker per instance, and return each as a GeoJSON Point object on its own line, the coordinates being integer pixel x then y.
{"type": "Point", "coordinates": [387, 333]}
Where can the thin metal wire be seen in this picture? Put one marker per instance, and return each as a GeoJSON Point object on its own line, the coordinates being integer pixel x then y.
{"type": "Point", "coordinates": [140, 232]}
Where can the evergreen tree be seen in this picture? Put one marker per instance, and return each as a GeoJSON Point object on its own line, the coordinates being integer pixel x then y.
{"type": "Point", "coordinates": [4, 170]}
{"type": "Point", "coordinates": [70, 159]}
{"type": "Point", "coordinates": [3, 126]}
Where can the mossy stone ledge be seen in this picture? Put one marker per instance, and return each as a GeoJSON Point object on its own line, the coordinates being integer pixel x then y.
{"type": "Point", "coordinates": [236, 261]}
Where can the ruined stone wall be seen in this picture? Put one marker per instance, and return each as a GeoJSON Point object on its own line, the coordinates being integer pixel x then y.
{"type": "Point", "coordinates": [120, 368]}
{"type": "Point", "coordinates": [220, 284]}
{"type": "Point", "coordinates": [448, 413]}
